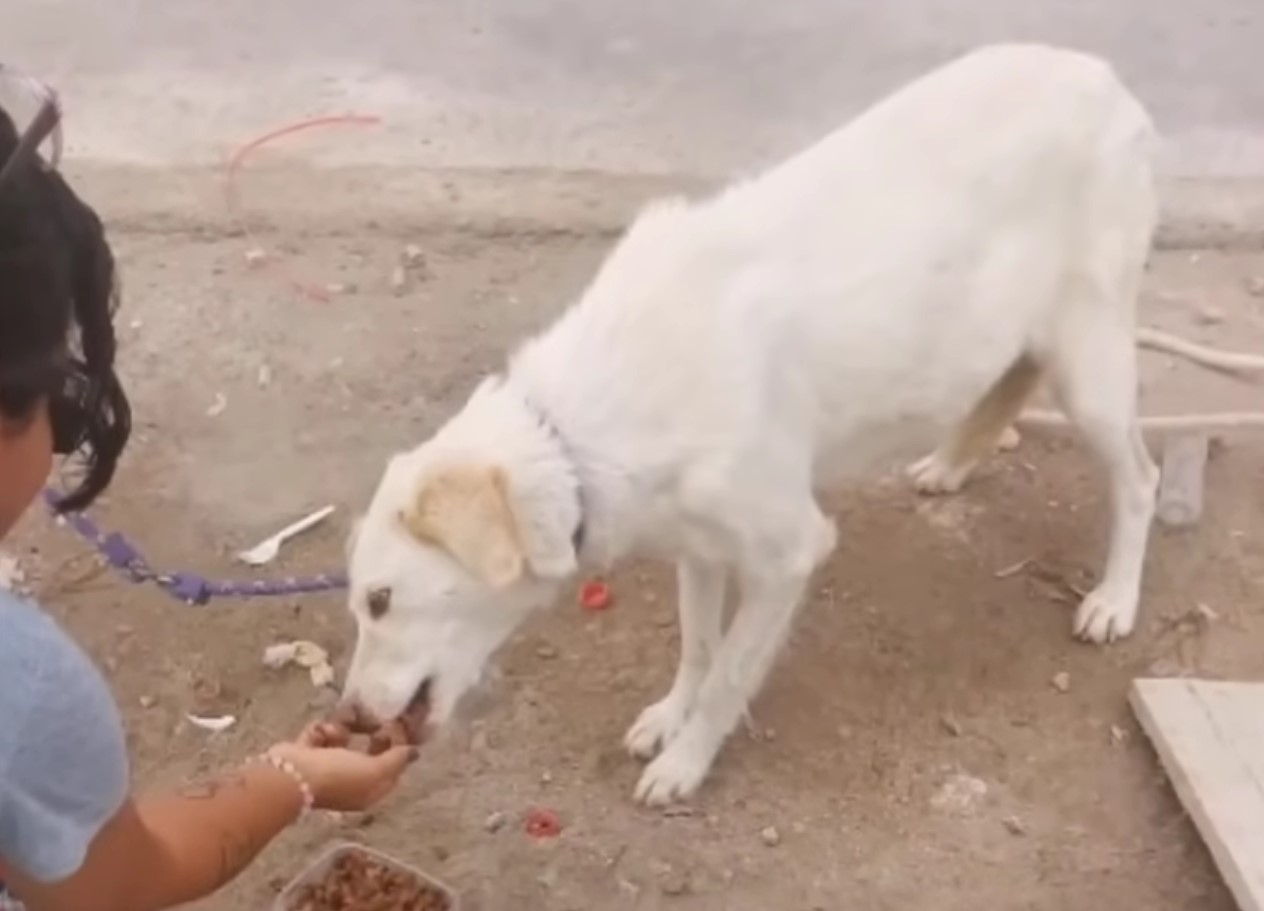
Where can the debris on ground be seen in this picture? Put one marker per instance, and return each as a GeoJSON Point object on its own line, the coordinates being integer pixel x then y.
{"type": "Point", "coordinates": [595, 595]}
{"type": "Point", "coordinates": [1054, 583]}
{"type": "Point", "coordinates": [543, 823]}
{"type": "Point", "coordinates": [256, 257]}
{"type": "Point", "coordinates": [1118, 734]}
{"type": "Point", "coordinates": [1012, 570]}
{"type": "Point", "coordinates": [147, 702]}
{"type": "Point", "coordinates": [1193, 622]}
{"type": "Point", "coordinates": [1014, 825]}
{"type": "Point", "coordinates": [304, 654]}
{"type": "Point", "coordinates": [959, 792]}
{"type": "Point", "coordinates": [266, 551]}
{"type": "Point", "coordinates": [399, 280]}
{"type": "Point", "coordinates": [412, 256]}
{"type": "Point", "coordinates": [1255, 285]}
{"type": "Point", "coordinates": [214, 724]}
{"type": "Point", "coordinates": [770, 836]}
{"type": "Point", "coordinates": [671, 879]}
{"type": "Point", "coordinates": [218, 406]}
{"type": "Point", "coordinates": [1061, 682]}
{"type": "Point", "coordinates": [951, 725]}
{"type": "Point", "coordinates": [264, 376]}
{"type": "Point", "coordinates": [546, 651]}
{"type": "Point", "coordinates": [1210, 315]}
{"type": "Point", "coordinates": [1009, 440]}
{"type": "Point", "coordinates": [495, 821]}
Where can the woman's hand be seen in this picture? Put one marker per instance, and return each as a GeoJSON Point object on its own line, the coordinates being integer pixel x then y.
{"type": "Point", "coordinates": [343, 778]}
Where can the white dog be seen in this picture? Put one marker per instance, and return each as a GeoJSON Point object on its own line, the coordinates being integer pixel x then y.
{"type": "Point", "coordinates": [902, 284]}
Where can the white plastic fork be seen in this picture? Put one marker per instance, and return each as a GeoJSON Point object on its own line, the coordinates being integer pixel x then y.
{"type": "Point", "coordinates": [266, 551]}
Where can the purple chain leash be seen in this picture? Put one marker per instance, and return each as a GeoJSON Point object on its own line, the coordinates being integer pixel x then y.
{"type": "Point", "coordinates": [186, 587]}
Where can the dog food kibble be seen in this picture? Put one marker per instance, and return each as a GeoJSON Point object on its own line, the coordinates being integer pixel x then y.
{"type": "Point", "coordinates": [357, 881]}
{"type": "Point", "coordinates": [392, 734]}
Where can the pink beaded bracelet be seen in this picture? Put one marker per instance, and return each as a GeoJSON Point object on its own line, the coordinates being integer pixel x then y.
{"type": "Point", "coordinates": [288, 768]}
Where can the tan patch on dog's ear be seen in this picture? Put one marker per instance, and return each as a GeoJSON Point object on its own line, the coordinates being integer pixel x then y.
{"type": "Point", "coordinates": [465, 511]}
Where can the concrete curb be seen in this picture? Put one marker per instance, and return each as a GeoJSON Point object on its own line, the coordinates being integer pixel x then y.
{"type": "Point", "coordinates": [1197, 213]}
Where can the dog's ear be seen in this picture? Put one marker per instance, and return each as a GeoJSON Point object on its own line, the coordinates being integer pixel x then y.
{"type": "Point", "coordinates": [465, 510]}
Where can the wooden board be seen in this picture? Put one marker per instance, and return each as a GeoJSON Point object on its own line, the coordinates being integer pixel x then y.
{"type": "Point", "coordinates": [1210, 738]}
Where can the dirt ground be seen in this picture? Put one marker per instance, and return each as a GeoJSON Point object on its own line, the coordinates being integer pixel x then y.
{"type": "Point", "coordinates": [910, 750]}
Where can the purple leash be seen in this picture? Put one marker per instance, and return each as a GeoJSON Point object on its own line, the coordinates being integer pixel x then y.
{"type": "Point", "coordinates": [186, 587]}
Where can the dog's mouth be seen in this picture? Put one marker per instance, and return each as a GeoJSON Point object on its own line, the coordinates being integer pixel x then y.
{"type": "Point", "coordinates": [407, 728]}
{"type": "Point", "coordinates": [417, 713]}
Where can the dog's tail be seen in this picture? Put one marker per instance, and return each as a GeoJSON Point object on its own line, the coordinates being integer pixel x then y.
{"type": "Point", "coordinates": [1231, 362]}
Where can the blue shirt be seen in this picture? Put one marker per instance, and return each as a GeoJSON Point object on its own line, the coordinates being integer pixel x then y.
{"type": "Point", "coordinates": [63, 756]}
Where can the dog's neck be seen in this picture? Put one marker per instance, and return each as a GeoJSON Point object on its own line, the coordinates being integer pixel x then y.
{"type": "Point", "coordinates": [550, 428]}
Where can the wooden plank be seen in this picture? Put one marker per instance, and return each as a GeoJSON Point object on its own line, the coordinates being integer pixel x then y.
{"type": "Point", "coordinates": [1210, 738]}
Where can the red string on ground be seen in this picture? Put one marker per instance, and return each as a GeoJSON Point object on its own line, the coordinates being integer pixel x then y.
{"type": "Point", "coordinates": [235, 161]}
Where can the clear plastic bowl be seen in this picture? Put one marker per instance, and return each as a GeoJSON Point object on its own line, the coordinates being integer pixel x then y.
{"type": "Point", "coordinates": [317, 870]}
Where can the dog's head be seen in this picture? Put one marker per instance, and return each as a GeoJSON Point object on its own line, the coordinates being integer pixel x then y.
{"type": "Point", "coordinates": [447, 562]}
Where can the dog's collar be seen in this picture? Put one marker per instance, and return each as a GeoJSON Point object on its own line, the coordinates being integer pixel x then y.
{"type": "Point", "coordinates": [577, 536]}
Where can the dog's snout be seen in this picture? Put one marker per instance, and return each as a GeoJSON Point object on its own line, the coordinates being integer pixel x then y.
{"type": "Point", "coordinates": [352, 714]}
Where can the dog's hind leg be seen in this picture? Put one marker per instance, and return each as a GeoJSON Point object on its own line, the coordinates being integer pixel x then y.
{"type": "Point", "coordinates": [700, 594]}
{"type": "Point", "coordinates": [1094, 371]}
{"type": "Point", "coordinates": [948, 467]}
{"type": "Point", "coordinates": [770, 593]}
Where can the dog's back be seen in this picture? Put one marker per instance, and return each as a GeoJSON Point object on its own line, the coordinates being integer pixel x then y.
{"type": "Point", "coordinates": [869, 290]}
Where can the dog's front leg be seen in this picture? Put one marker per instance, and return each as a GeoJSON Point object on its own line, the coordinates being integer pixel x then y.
{"type": "Point", "coordinates": [738, 670]}
{"type": "Point", "coordinates": [700, 596]}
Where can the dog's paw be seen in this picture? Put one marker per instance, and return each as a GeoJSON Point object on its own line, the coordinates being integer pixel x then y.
{"type": "Point", "coordinates": [675, 775]}
{"type": "Point", "coordinates": [1102, 619]}
{"type": "Point", "coordinates": [933, 475]}
{"type": "Point", "coordinates": [656, 727]}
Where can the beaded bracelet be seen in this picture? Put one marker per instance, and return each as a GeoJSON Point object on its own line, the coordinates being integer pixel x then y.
{"type": "Point", "coordinates": [288, 768]}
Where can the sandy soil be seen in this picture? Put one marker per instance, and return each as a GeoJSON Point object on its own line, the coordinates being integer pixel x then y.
{"type": "Point", "coordinates": [910, 749]}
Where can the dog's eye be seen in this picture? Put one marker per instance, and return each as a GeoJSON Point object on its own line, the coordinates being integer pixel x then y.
{"type": "Point", "coordinates": [379, 602]}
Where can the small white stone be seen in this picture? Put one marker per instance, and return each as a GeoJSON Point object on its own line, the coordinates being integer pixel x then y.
{"type": "Point", "coordinates": [412, 255]}
{"type": "Point", "coordinates": [1210, 316]}
{"type": "Point", "coordinates": [1255, 285]}
{"type": "Point", "coordinates": [770, 836]}
{"type": "Point", "coordinates": [959, 792]}
{"type": "Point", "coordinates": [255, 257]}
{"type": "Point", "coordinates": [495, 821]}
{"type": "Point", "coordinates": [399, 280]}
{"type": "Point", "coordinates": [1061, 682]}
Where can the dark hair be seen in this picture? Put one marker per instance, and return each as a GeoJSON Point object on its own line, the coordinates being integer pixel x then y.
{"type": "Point", "coordinates": [57, 303]}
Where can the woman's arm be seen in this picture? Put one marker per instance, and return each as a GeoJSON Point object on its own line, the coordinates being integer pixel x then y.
{"type": "Point", "coordinates": [165, 850]}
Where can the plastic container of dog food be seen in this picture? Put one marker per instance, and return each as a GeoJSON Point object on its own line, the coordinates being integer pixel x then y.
{"type": "Point", "coordinates": [290, 897]}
